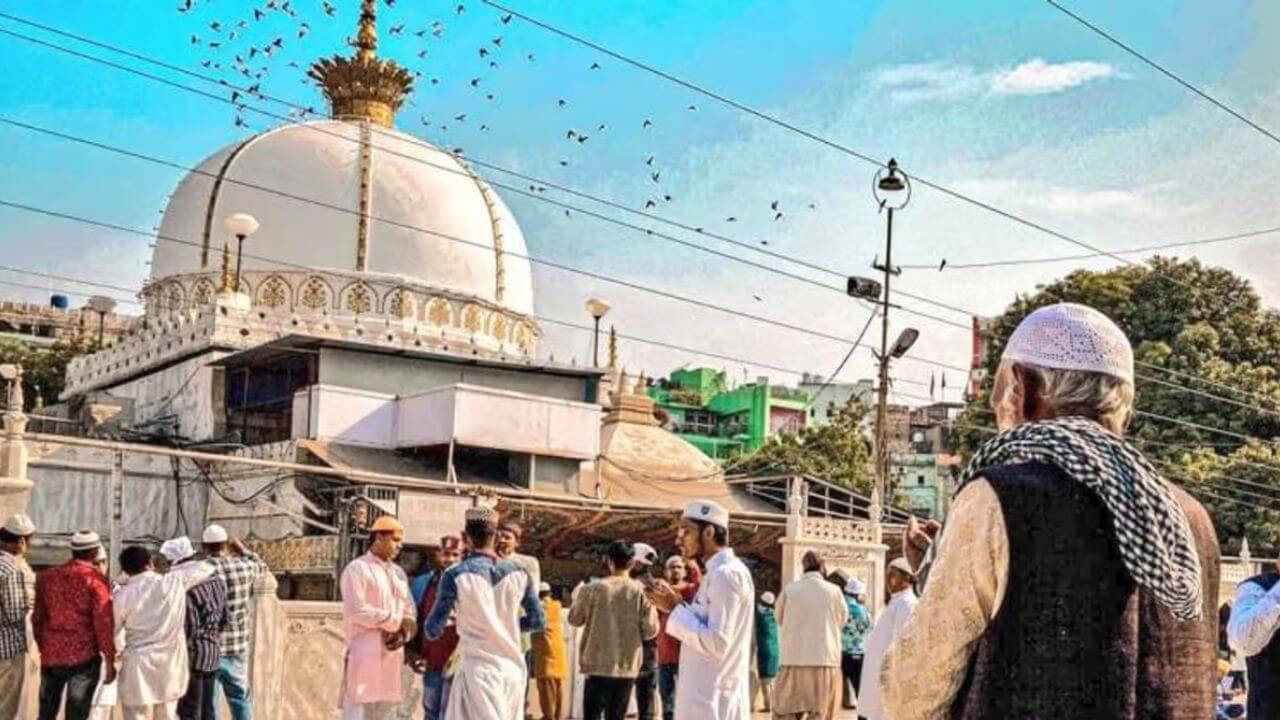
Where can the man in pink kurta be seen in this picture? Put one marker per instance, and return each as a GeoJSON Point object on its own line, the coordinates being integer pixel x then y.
{"type": "Point", "coordinates": [378, 618]}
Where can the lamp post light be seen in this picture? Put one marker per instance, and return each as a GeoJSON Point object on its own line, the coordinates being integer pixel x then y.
{"type": "Point", "coordinates": [242, 225]}
{"type": "Point", "coordinates": [102, 305]}
{"type": "Point", "coordinates": [598, 309]}
{"type": "Point", "coordinates": [892, 190]}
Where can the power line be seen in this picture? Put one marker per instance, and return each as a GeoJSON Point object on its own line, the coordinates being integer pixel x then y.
{"type": "Point", "coordinates": [1219, 398]}
{"type": "Point", "coordinates": [532, 194]}
{"type": "Point", "coordinates": [29, 286]}
{"type": "Point", "coordinates": [520, 191]}
{"type": "Point", "coordinates": [1165, 71]}
{"type": "Point", "coordinates": [566, 268]}
{"type": "Point", "coordinates": [1204, 380]}
{"type": "Point", "coordinates": [1086, 256]}
{"type": "Point", "coordinates": [835, 373]}
{"type": "Point", "coordinates": [779, 122]}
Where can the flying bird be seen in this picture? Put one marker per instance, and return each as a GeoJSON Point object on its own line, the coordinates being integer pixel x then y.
{"type": "Point", "coordinates": [774, 206]}
{"type": "Point", "coordinates": [530, 57]}
{"type": "Point", "coordinates": [506, 19]}
{"type": "Point", "coordinates": [396, 29]}
{"type": "Point", "coordinates": [215, 26]}
{"type": "Point", "coordinates": [484, 52]}
{"type": "Point", "coordinates": [731, 219]}
{"type": "Point", "coordinates": [561, 103]}
{"type": "Point", "coordinates": [475, 82]}
{"type": "Point", "coordinates": [649, 204]}
{"type": "Point", "coordinates": [654, 176]}
{"type": "Point", "coordinates": [328, 9]}
{"type": "Point", "coordinates": [646, 124]}
{"type": "Point", "coordinates": [942, 264]}
{"type": "Point", "coordinates": [649, 162]}
{"type": "Point", "coordinates": [497, 41]}
{"type": "Point", "coordinates": [460, 117]}
{"type": "Point", "coordinates": [258, 14]}
{"type": "Point", "coordinates": [595, 66]}
{"type": "Point", "coordinates": [691, 108]}
{"type": "Point", "coordinates": [460, 9]}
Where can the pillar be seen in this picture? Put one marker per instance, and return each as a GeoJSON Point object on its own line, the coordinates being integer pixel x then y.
{"type": "Point", "coordinates": [266, 644]}
{"type": "Point", "coordinates": [15, 486]}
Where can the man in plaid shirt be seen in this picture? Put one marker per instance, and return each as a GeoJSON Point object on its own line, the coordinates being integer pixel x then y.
{"type": "Point", "coordinates": [238, 568]}
{"type": "Point", "coordinates": [17, 595]}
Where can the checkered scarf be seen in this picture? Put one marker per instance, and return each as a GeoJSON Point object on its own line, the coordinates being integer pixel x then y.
{"type": "Point", "coordinates": [1155, 539]}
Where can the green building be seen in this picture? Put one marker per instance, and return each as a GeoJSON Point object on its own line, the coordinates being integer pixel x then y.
{"type": "Point", "coordinates": [698, 405]}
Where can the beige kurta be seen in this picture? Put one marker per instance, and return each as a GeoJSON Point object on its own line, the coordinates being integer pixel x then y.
{"type": "Point", "coordinates": [923, 671]}
{"type": "Point", "coordinates": [150, 615]}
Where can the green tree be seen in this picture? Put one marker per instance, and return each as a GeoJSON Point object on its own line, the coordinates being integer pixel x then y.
{"type": "Point", "coordinates": [838, 450]}
{"type": "Point", "coordinates": [1188, 318]}
{"type": "Point", "coordinates": [44, 369]}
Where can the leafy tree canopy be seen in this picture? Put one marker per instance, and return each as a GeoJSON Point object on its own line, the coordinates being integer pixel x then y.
{"type": "Point", "coordinates": [838, 451]}
{"type": "Point", "coordinates": [1184, 319]}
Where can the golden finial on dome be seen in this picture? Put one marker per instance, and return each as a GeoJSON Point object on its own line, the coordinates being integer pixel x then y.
{"type": "Point", "coordinates": [363, 87]}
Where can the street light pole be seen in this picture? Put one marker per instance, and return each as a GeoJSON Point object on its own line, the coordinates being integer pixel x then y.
{"type": "Point", "coordinates": [101, 305]}
{"type": "Point", "coordinates": [597, 308]}
{"type": "Point", "coordinates": [242, 225]}
{"type": "Point", "coordinates": [892, 190]}
{"type": "Point", "coordinates": [882, 403]}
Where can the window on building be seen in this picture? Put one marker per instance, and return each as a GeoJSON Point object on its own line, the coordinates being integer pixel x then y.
{"type": "Point", "coordinates": [919, 479]}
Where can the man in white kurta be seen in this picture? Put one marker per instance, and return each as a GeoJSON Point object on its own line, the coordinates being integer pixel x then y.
{"type": "Point", "coordinates": [150, 613]}
{"type": "Point", "coordinates": [378, 618]}
{"type": "Point", "coordinates": [485, 594]}
{"type": "Point", "coordinates": [889, 626]}
{"type": "Point", "coordinates": [715, 629]}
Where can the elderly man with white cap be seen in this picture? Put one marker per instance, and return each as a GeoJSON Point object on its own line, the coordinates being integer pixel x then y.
{"type": "Point", "coordinates": [715, 629]}
{"type": "Point", "coordinates": [75, 629]}
{"type": "Point", "coordinates": [1071, 580]}
{"type": "Point", "coordinates": [151, 616]}
{"type": "Point", "coordinates": [378, 618]}
{"type": "Point", "coordinates": [17, 596]}
{"type": "Point", "coordinates": [239, 569]}
{"type": "Point", "coordinates": [811, 613]}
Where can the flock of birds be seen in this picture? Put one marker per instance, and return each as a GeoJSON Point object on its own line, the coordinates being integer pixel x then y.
{"type": "Point", "coordinates": [244, 49]}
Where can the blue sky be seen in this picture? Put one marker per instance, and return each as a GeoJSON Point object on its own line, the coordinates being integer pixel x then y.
{"type": "Point", "coordinates": [1008, 101]}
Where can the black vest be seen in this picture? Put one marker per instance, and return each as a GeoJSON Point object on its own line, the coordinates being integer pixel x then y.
{"type": "Point", "coordinates": [1264, 668]}
{"type": "Point", "coordinates": [1063, 643]}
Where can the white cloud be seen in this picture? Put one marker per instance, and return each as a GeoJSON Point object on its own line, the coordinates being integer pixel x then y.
{"type": "Point", "coordinates": [921, 82]}
{"type": "Point", "coordinates": [916, 82]}
{"type": "Point", "coordinates": [1037, 77]}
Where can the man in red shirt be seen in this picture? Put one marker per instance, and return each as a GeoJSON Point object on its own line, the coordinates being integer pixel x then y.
{"type": "Point", "coordinates": [430, 657]}
{"type": "Point", "coordinates": [684, 576]}
{"type": "Point", "coordinates": [75, 631]}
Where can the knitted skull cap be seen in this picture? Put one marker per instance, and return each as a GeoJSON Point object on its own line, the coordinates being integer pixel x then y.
{"type": "Point", "coordinates": [1068, 336]}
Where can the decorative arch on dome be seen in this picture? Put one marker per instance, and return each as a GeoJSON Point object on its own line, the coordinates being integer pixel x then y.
{"type": "Point", "coordinates": [358, 298]}
{"type": "Point", "coordinates": [315, 294]}
{"type": "Point", "coordinates": [499, 326]}
{"type": "Point", "coordinates": [202, 292]}
{"type": "Point", "coordinates": [523, 337]}
{"type": "Point", "coordinates": [474, 317]}
{"type": "Point", "coordinates": [439, 312]}
{"type": "Point", "coordinates": [273, 292]}
{"type": "Point", "coordinates": [400, 303]}
{"type": "Point", "coordinates": [174, 296]}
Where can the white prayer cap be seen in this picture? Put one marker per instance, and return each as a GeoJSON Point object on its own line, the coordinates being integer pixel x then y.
{"type": "Point", "coordinates": [177, 549]}
{"type": "Point", "coordinates": [214, 534]}
{"type": "Point", "coordinates": [1068, 336]}
{"type": "Point", "coordinates": [855, 587]}
{"type": "Point", "coordinates": [102, 553]}
{"type": "Point", "coordinates": [544, 587]}
{"type": "Point", "coordinates": [20, 524]}
{"type": "Point", "coordinates": [644, 554]}
{"type": "Point", "coordinates": [767, 598]}
{"type": "Point", "coordinates": [85, 540]}
{"type": "Point", "coordinates": [708, 511]}
{"type": "Point", "coordinates": [901, 565]}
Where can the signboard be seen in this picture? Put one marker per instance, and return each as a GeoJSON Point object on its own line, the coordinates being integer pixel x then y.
{"type": "Point", "coordinates": [426, 516]}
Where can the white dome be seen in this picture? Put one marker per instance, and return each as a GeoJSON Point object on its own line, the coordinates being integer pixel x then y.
{"type": "Point", "coordinates": [412, 187]}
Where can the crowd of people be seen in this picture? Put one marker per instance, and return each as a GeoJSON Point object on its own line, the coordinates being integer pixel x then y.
{"type": "Point", "coordinates": [1070, 581]}
{"type": "Point", "coordinates": [159, 645]}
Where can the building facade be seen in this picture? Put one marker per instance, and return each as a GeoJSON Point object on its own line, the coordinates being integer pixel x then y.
{"type": "Point", "coordinates": [723, 422]}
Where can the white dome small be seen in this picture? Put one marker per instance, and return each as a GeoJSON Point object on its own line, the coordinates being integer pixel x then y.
{"type": "Point", "coordinates": [327, 192]}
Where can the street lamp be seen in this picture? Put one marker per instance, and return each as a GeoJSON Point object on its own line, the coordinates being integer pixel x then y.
{"type": "Point", "coordinates": [242, 225]}
{"type": "Point", "coordinates": [102, 305]}
{"type": "Point", "coordinates": [892, 190]}
{"type": "Point", "coordinates": [598, 309]}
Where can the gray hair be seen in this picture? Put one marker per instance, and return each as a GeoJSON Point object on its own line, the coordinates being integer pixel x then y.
{"type": "Point", "coordinates": [1103, 398]}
